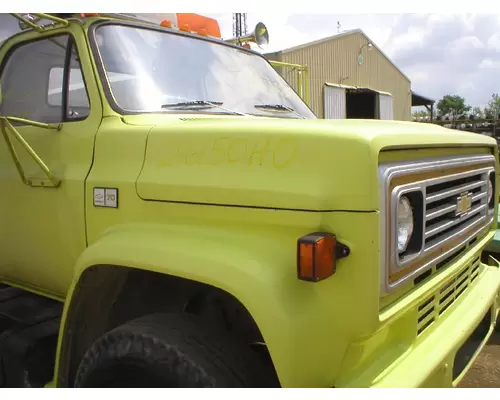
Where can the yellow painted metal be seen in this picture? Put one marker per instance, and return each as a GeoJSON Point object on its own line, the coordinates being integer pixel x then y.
{"type": "Point", "coordinates": [50, 222]}
{"type": "Point", "coordinates": [30, 122]}
{"type": "Point", "coordinates": [222, 200]}
{"type": "Point", "coordinates": [301, 84]}
{"type": "Point", "coordinates": [302, 77]}
{"type": "Point", "coordinates": [306, 87]}
{"type": "Point", "coordinates": [40, 28]}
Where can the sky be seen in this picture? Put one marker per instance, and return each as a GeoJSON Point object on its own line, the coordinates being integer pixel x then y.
{"type": "Point", "coordinates": [440, 53]}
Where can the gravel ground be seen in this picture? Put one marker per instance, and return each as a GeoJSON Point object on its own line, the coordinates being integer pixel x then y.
{"type": "Point", "coordinates": [485, 372]}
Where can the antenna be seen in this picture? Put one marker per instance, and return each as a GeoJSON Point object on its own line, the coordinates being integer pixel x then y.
{"type": "Point", "coordinates": [338, 26]}
{"type": "Point", "coordinates": [239, 25]}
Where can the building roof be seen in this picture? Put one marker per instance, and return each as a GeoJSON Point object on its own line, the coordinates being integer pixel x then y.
{"type": "Point", "coordinates": [349, 87]}
{"type": "Point", "coordinates": [338, 36]}
{"type": "Point", "coordinates": [418, 100]}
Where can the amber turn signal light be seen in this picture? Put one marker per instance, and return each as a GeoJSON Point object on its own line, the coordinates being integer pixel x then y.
{"type": "Point", "coordinates": [317, 255]}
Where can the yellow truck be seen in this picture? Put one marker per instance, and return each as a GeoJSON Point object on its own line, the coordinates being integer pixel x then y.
{"type": "Point", "coordinates": [174, 215]}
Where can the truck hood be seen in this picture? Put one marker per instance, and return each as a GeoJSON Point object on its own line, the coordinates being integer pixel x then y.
{"type": "Point", "coordinates": [316, 165]}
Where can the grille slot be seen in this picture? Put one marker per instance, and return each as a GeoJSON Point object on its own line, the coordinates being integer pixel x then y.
{"type": "Point", "coordinates": [433, 307]}
{"type": "Point", "coordinates": [426, 315]}
{"type": "Point", "coordinates": [442, 220]}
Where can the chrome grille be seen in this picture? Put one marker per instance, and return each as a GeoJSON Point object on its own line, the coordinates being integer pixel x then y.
{"type": "Point", "coordinates": [449, 198]}
{"type": "Point", "coordinates": [433, 307]}
{"type": "Point", "coordinates": [442, 197]}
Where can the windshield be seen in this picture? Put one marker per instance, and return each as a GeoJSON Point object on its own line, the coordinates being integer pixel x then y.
{"type": "Point", "coordinates": [153, 71]}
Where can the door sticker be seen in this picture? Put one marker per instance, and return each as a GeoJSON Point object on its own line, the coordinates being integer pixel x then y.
{"type": "Point", "coordinates": [106, 197]}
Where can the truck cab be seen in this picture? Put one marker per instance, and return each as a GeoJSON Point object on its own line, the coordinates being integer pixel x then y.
{"type": "Point", "coordinates": [174, 215]}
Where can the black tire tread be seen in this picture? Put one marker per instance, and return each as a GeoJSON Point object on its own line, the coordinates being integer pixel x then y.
{"type": "Point", "coordinates": [200, 355]}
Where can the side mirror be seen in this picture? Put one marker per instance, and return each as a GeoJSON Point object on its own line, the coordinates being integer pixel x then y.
{"type": "Point", "coordinates": [260, 36]}
{"type": "Point", "coordinates": [31, 18]}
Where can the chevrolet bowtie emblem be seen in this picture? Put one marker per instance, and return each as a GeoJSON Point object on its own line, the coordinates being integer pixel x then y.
{"type": "Point", "coordinates": [464, 204]}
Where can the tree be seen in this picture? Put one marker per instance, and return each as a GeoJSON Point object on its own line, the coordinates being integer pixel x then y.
{"type": "Point", "coordinates": [492, 110]}
{"type": "Point", "coordinates": [453, 105]}
{"type": "Point", "coordinates": [477, 112]}
{"type": "Point", "coordinates": [421, 114]}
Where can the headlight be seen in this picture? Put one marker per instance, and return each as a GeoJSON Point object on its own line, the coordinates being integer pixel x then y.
{"type": "Point", "coordinates": [404, 223]}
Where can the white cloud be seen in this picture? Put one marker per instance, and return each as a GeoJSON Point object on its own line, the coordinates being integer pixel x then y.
{"type": "Point", "coordinates": [464, 44]}
{"type": "Point", "coordinates": [412, 38]}
{"type": "Point", "coordinates": [489, 63]}
{"type": "Point", "coordinates": [465, 86]}
{"type": "Point", "coordinates": [283, 35]}
{"type": "Point", "coordinates": [494, 41]}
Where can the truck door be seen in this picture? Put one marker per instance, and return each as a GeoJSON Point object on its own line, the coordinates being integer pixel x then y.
{"type": "Point", "coordinates": [45, 78]}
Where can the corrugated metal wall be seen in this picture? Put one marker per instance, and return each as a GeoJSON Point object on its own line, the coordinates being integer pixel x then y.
{"type": "Point", "coordinates": [336, 61]}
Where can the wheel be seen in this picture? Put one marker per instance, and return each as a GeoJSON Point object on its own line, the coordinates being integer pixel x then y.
{"type": "Point", "coordinates": [170, 351]}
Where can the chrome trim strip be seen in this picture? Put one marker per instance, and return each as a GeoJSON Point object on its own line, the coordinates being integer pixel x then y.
{"type": "Point", "coordinates": [389, 171]}
{"type": "Point", "coordinates": [491, 210]}
{"type": "Point", "coordinates": [475, 222]}
{"type": "Point", "coordinates": [392, 170]}
{"type": "Point", "coordinates": [449, 224]}
{"type": "Point", "coordinates": [447, 193]}
{"type": "Point", "coordinates": [396, 195]}
{"type": "Point", "coordinates": [434, 181]}
{"type": "Point", "coordinates": [440, 211]}
{"type": "Point", "coordinates": [441, 257]}
{"type": "Point", "coordinates": [446, 209]}
{"type": "Point", "coordinates": [395, 263]}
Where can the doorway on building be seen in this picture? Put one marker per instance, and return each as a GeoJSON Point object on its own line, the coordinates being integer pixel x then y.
{"type": "Point", "coordinates": [342, 101]}
{"type": "Point", "coordinates": [361, 104]}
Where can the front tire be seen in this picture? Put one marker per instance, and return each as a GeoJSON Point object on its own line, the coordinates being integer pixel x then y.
{"type": "Point", "coordinates": [170, 351]}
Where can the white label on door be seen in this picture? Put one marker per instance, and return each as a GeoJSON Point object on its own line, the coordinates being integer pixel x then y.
{"type": "Point", "coordinates": [99, 200]}
{"type": "Point", "coordinates": [106, 197]}
{"type": "Point", "coordinates": [111, 198]}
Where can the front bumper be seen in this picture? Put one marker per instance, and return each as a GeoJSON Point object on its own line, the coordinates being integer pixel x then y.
{"type": "Point", "coordinates": [397, 355]}
{"type": "Point", "coordinates": [446, 354]}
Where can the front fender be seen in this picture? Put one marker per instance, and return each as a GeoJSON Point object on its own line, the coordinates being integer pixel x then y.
{"type": "Point", "coordinates": [259, 271]}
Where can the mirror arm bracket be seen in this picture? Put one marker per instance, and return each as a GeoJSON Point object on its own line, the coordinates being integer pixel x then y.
{"type": "Point", "coordinates": [5, 126]}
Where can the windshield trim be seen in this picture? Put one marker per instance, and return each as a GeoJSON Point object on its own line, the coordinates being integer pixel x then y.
{"type": "Point", "coordinates": [140, 25]}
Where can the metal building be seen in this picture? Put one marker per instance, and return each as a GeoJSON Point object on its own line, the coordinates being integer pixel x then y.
{"type": "Point", "coordinates": [349, 77]}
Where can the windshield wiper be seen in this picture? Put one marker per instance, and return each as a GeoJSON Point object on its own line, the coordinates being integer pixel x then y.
{"type": "Point", "coordinates": [279, 107]}
{"type": "Point", "coordinates": [195, 103]}
{"type": "Point", "coordinates": [199, 104]}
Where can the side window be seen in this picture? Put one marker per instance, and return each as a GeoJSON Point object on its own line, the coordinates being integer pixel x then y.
{"type": "Point", "coordinates": [77, 97]}
{"type": "Point", "coordinates": [33, 82]}
{"type": "Point", "coordinates": [8, 26]}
